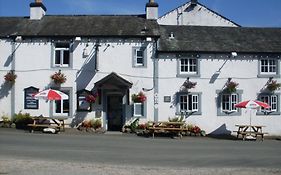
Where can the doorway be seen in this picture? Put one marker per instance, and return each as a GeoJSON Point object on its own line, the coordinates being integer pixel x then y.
{"type": "Point", "coordinates": [115, 112]}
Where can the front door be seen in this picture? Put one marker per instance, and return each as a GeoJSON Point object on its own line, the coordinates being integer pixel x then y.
{"type": "Point", "coordinates": [114, 113]}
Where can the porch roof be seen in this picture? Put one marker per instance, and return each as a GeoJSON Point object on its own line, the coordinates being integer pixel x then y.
{"type": "Point", "coordinates": [114, 79]}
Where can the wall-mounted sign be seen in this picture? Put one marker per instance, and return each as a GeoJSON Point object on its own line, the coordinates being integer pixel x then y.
{"type": "Point", "coordinates": [29, 101]}
{"type": "Point", "coordinates": [167, 99]}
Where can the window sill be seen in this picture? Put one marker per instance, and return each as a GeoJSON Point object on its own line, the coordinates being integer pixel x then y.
{"type": "Point", "coordinates": [268, 75]}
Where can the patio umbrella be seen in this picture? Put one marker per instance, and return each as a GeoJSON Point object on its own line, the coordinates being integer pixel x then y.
{"type": "Point", "coordinates": [251, 104]}
{"type": "Point", "coordinates": [51, 94]}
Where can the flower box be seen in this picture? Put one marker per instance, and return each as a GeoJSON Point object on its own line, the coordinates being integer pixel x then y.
{"type": "Point", "coordinates": [58, 78]}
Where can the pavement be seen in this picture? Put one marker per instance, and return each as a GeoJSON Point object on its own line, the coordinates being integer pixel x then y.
{"type": "Point", "coordinates": [76, 152]}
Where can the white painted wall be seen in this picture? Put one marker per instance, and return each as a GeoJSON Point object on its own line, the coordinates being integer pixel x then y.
{"type": "Point", "coordinates": [198, 16]}
{"type": "Point", "coordinates": [243, 69]}
{"type": "Point", "coordinates": [33, 67]}
{"type": "Point", "coordinates": [5, 89]}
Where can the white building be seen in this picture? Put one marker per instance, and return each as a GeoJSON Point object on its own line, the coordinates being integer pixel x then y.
{"type": "Point", "coordinates": [117, 56]}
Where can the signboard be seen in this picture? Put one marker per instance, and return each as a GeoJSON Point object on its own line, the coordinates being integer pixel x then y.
{"type": "Point", "coordinates": [167, 99]}
{"type": "Point", "coordinates": [29, 101]}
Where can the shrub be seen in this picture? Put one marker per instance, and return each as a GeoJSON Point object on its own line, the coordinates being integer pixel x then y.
{"type": "Point", "coordinates": [22, 120]}
{"type": "Point", "coordinates": [96, 123]}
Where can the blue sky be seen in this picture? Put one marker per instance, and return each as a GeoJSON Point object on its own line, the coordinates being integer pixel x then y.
{"type": "Point", "coordinates": [254, 13]}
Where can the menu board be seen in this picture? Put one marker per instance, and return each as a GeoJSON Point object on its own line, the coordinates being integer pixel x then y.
{"type": "Point", "coordinates": [29, 101]}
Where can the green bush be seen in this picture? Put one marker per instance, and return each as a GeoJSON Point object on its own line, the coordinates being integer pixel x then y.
{"type": "Point", "coordinates": [21, 120]}
{"type": "Point", "coordinates": [96, 123]}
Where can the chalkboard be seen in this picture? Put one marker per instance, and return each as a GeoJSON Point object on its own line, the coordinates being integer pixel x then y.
{"type": "Point", "coordinates": [29, 101]}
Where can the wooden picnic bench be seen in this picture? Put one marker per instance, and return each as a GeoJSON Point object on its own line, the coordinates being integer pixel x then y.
{"type": "Point", "coordinates": [250, 130]}
{"type": "Point", "coordinates": [175, 128]}
{"type": "Point", "coordinates": [47, 122]}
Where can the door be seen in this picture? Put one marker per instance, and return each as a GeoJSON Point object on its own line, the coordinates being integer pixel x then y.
{"type": "Point", "coordinates": [114, 113]}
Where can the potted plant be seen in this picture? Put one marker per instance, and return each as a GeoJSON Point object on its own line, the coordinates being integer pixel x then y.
{"type": "Point", "coordinates": [58, 77]}
{"type": "Point", "coordinates": [10, 77]}
{"type": "Point", "coordinates": [231, 86]}
{"type": "Point", "coordinates": [273, 86]}
{"type": "Point", "coordinates": [139, 98]}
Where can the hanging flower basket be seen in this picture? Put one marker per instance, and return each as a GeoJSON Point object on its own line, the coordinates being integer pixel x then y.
{"type": "Point", "coordinates": [10, 77]}
{"type": "Point", "coordinates": [58, 78]}
{"type": "Point", "coordinates": [273, 86]}
{"type": "Point", "coordinates": [91, 98]}
{"type": "Point", "coordinates": [139, 98]}
{"type": "Point", "coordinates": [231, 86]}
{"type": "Point", "coordinates": [189, 84]}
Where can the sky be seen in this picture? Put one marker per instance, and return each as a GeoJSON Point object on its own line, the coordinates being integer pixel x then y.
{"type": "Point", "coordinates": [247, 13]}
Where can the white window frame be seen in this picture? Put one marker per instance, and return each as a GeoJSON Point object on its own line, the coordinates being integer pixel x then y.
{"type": "Point", "coordinates": [272, 101]}
{"type": "Point", "coordinates": [188, 64]}
{"type": "Point", "coordinates": [136, 57]}
{"type": "Point", "coordinates": [62, 50]}
{"type": "Point", "coordinates": [185, 103]}
{"type": "Point", "coordinates": [62, 113]}
{"type": "Point", "coordinates": [266, 64]}
{"type": "Point", "coordinates": [141, 105]}
{"type": "Point", "coordinates": [232, 100]}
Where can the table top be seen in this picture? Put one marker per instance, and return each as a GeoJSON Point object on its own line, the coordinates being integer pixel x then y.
{"type": "Point", "coordinates": [258, 126]}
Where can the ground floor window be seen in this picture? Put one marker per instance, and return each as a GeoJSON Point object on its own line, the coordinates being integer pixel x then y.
{"type": "Point", "coordinates": [62, 107]}
{"type": "Point", "coordinates": [273, 100]}
{"type": "Point", "coordinates": [188, 103]}
{"type": "Point", "coordinates": [138, 109]}
{"type": "Point", "coordinates": [226, 103]}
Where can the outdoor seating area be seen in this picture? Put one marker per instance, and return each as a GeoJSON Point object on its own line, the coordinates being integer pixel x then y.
{"type": "Point", "coordinates": [41, 122]}
{"type": "Point", "coordinates": [250, 131]}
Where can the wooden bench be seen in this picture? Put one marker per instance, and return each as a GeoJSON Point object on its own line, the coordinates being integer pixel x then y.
{"type": "Point", "coordinates": [177, 131]}
{"type": "Point", "coordinates": [244, 134]}
{"type": "Point", "coordinates": [33, 127]}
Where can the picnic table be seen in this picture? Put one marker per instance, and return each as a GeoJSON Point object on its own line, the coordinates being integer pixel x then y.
{"type": "Point", "coordinates": [47, 122]}
{"type": "Point", "coordinates": [250, 130]}
{"type": "Point", "coordinates": [175, 128]}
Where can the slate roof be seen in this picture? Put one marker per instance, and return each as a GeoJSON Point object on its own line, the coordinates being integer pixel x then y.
{"type": "Point", "coordinates": [219, 39]}
{"type": "Point", "coordinates": [79, 25]}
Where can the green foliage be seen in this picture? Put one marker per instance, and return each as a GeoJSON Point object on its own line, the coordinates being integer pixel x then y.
{"type": "Point", "coordinates": [21, 120]}
{"type": "Point", "coordinates": [176, 119]}
{"type": "Point", "coordinates": [6, 122]}
{"type": "Point", "coordinates": [134, 125]}
{"type": "Point", "coordinates": [96, 123]}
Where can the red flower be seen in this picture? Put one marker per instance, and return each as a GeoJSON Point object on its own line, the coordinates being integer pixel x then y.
{"type": "Point", "coordinates": [139, 98]}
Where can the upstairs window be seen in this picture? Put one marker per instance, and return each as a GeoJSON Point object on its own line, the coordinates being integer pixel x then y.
{"type": "Point", "coordinates": [188, 66]}
{"type": "Point", "coordinates": [269, 68]}
{"type": "Point", "coordinates": [139, 57]}
{"type": "Point", "coordinates": [62, 55]}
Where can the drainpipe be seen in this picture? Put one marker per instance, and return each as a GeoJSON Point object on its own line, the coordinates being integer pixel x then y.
{"type": "Point", "coordinates": [155, 81]}
{"type": "Point", "coordinates": [97, 45]}
{"type": "Point", "coordinates": [13, 91]}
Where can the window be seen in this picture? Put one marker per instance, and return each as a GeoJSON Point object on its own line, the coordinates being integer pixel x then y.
{"type": "Point", "coordinates": [82, 104]}
{"type": "Point", "coordinates": [139, 57]}
{"type": "Point", "coordinates": [138, 109]}
{"type": "Point", "coordinates": [62, 107]}
{"type": "Point", "coordinates": [189, 103]}
{"type": "Point", "coordinates": [269, 68]}
{"type": "Point", "coordinates": [226, 103]}
{"type": "Point", "coordinates": [62, 55]}
{"type": "Point", "coordinates": [273, 101]}
{"type": "Point", "coordinates": [188, 67]}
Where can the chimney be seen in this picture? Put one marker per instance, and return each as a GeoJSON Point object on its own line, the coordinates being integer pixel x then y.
{"type": "Point", "coordinates": [37, 10]}
{"type": "Point", "coordinates": [152, 10]}
{"type": "Point", "coordinates": [193, 2]}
